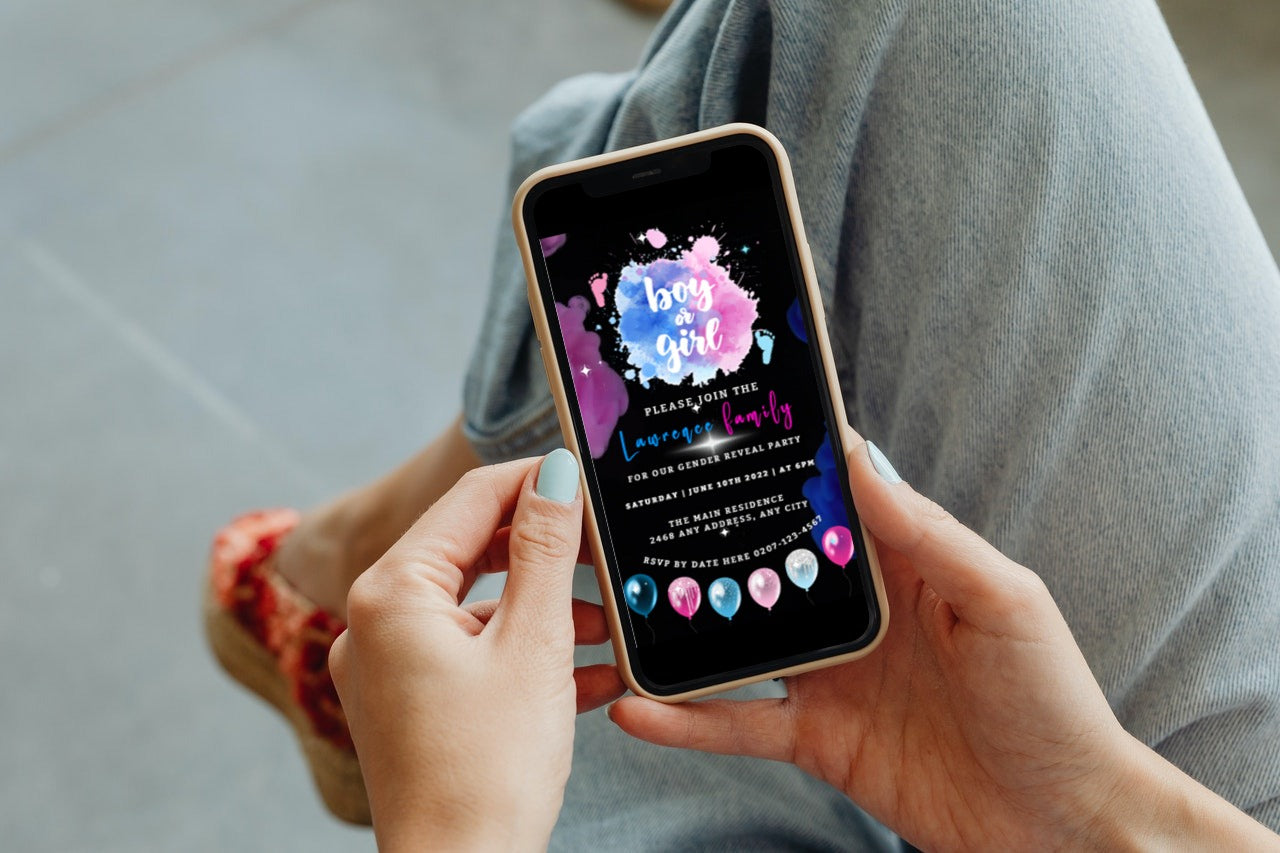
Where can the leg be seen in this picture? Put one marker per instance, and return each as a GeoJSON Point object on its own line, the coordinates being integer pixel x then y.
{"type": "Point", "coordinates": [1049, 301]}
{"type": "Point", "coordinates": [1055, 307]}
{"type": "Point", "coordinates": [334, 543]}
{"type": "Point", "coordinates": [276, 583]}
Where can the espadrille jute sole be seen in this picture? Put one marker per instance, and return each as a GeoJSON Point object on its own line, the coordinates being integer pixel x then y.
{"type": "Point", "coordinates": [336, 771]}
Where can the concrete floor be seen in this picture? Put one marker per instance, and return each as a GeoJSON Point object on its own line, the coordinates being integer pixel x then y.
{"type": "Point", "coordinates": [204, 205]}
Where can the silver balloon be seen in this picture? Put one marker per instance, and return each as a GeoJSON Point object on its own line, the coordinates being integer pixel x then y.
{"type": "Point", "coordinates": [802, 568]}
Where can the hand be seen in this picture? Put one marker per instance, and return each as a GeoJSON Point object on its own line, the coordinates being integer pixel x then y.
{"type": "Point", "coordinates": [975, 724]}
{"type": "Point", "coordinates": [463, 715]}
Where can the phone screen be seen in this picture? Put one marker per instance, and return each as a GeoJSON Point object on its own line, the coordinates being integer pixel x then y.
{"type": "Point", "coordinates": [709, 443]}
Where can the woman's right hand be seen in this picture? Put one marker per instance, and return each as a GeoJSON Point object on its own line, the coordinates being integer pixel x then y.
{"type": "Point", "coordinates": [976, 723]}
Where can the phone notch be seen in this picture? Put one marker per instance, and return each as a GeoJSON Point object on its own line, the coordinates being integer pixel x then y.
{"type": "Point", "coordinates": [628, 176]}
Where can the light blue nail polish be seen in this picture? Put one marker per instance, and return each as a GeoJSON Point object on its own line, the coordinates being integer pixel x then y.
{"type": "Point", "coordinates": [558, 476]}
{"type": "Point", "coordinates": [881, 464]}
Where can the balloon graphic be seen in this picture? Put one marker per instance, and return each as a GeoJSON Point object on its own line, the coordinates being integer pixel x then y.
{"type": "Point", "coordinates": [802, 568]}
{"type": "Point", "coordinates": [765, 586]}
{"type": "Point", "coordinates": [725, 597]}
{"type": "Point", "coordinates": [837, 544]}
{"type": "Point", "coordinates": [685, 596]}
{"type": "Point", "coordinates": [641, 594]}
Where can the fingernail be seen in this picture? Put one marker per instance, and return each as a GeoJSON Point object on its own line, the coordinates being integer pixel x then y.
{"type": "Point", "coordinates": [558, 476]}
{"type": "Point", "coordinates": [882, 465]}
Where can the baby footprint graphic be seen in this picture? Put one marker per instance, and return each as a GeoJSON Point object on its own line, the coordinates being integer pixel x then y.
{"type": "Point", "coordinates": [764, 340]}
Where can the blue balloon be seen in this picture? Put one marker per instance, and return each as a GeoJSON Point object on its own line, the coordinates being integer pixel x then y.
{"type": "Point", "coordinates": [725, 596]}
{"type": "Point", "coordinates": [641, 594]}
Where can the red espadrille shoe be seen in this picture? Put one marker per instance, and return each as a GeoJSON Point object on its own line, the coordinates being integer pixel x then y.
{"type": "Point", "coordinates": [275, 642]}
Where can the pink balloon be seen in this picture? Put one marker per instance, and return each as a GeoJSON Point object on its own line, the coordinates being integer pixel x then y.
{"type": "Point", "coordinates": [837, 544]}
{"type": "Point", "coordinates": [685, 596]}
{"type": "Point", "coordinates": [765, 586]}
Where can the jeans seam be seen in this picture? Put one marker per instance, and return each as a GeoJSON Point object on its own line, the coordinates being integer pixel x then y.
{"type": "Point", "coordinates": [527, 431]}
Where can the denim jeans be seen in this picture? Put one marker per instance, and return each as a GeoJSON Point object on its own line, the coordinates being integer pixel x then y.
{"type": "Point", "coordinates": [1050, 305]}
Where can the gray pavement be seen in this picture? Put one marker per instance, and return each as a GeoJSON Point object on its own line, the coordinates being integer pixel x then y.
{"type": "Point", "coordinates": [243, 254]}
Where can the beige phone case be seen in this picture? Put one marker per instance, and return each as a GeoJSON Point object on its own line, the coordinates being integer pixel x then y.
{"type": "Point", "coordinates": [542, 324]}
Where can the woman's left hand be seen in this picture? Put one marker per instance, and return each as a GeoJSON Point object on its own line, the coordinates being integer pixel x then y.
{"type": "Point", "coordinates": [463, 715]}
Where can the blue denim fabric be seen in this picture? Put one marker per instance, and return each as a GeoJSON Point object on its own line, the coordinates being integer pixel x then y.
{"type": "Point", "coordinates": [1050, 305]}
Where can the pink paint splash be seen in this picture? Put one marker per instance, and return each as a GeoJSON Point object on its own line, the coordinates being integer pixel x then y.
{"type": "Point", "coordinates": [598, 286]}
{"type": "Point", "coordinates": [656, 238]}
{"type": "Point", "coordinates": [705, 249]}
{"type": "Point", "coordinates": [602, 395]}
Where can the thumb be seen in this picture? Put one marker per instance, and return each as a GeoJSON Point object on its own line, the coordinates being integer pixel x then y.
{"type": "Point", "coordinates": [982, 585]}
{"type": "Point", "coordinates": [546, 529]}
{"type": "Point", "coordinates": [760, 728]}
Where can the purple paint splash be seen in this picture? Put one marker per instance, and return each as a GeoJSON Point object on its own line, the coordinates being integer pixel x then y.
{"type": "Point", "coordinates": [602, 395]}
{"type": "Point", "coordinates": [684, 316]}
{"type": "Point", "coordinates": [550, 245]}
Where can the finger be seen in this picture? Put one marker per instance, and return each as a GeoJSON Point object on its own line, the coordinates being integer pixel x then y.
{"type": "Point", "coordinates": [546, 530]}
{"type": "Point", "coordinates": [590, 628]}
{"type": "Point", "coordinates": [961, 567]}
{"type": "Point", "coordinates": [495, 558]}
{"type": "Point", "coordinates": [597, 685]}
{"type": "Point", "coordinates": [585, 557]}
{"type": "Point", "coordinates": [482, 610]}
{"type": "Point", "coordinates": [761, 728]}
{"type": "Point", "coordinates": [450, 538]}
{"type": "Point", "coordinates": [337, 661]}
{"type": "Point", "coordinates": [492, 561]}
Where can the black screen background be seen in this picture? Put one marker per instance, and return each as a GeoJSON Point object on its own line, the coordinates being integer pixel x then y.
{"type": "Point", "coordinates": [737, 199]}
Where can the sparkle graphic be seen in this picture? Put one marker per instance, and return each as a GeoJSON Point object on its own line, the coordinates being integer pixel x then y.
{"type": "Point", "coordinates": [711, 444]}
{"type": "Point", "coordinates": [724, 531]}
{"type": "Point", "coordinates": [586, 371]}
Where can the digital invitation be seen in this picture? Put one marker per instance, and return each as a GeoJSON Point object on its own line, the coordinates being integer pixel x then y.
{"type": "Point", "coordinates": [702, 417]}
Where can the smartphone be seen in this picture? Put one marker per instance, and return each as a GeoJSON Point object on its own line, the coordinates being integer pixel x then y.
{"type": "Point", "coordinates": [685, 343]}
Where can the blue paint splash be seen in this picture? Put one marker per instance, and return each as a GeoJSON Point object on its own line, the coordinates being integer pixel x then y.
{"type": "Point", "coordinates": [823, 492]}
{"type": "Point", "coordinates": [795, 321]}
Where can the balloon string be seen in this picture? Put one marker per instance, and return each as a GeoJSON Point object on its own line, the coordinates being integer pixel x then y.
{"type": "Point", "coordinates": [691, 628]}
{"type": "Point", "coordinates": [806, 595]}
{"type": "Point", "coordinates": [648, 625]}
{"type": "Point", "coordinates": [847, 582]}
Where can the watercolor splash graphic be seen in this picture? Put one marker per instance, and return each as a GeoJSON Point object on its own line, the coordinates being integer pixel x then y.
{"type": "Point", "coordinates": [551, 245]}
{"type": "Point", "coordinates": [823, 492]}
{"type": "Point", "coordinates": [602, 395]}
{"type": "Point", "coordinates": [656, 238]}
{"type": "Point", "coordinates": [795, 321]}
{"type": "Point", "coordinates": [686, 337]}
